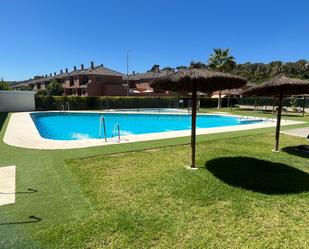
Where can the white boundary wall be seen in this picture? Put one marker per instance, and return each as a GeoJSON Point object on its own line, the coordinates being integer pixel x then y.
{"type": "Point", "coordinates": [268, 108]}
{"type": "Point", "coordinates": [17, 101]}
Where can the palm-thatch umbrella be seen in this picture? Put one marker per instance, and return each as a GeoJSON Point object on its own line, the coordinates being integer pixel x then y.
{"type": "Point", "coordinates": [193, 80]}
{"type": "Point", "coordinates": [280, 86]}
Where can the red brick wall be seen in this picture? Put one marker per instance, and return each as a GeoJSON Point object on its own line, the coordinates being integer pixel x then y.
{"type": "Point", "coordinates": [106, 86]}
{"type": "Point", "coordinates": [99, 86]}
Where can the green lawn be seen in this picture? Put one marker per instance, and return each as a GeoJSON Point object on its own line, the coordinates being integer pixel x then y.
{"type": "Point", "coordinates": [139, 195]}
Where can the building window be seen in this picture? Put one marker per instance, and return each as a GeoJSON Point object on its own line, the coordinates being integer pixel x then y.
{"type": "Point", "coordinates": [76, 80]}
{"type": "Point", "coordinates": [83, 80]}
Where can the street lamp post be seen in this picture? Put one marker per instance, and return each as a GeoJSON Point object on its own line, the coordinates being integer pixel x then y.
{"type": "Point", "coordinates": [128, 88]}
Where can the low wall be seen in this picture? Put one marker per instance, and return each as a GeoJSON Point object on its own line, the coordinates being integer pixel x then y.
{"type": "Point", "coordinates": [269, 108]}
{"type": "Point", "coordinates": [17, 101]}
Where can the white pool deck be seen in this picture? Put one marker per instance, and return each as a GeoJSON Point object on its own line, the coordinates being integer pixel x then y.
{"type": "Point", "coordinates": [22, 132]}
{"type": "Point", "coordinates": [300, 132]}
{"type": "Point", "coordinates": [7, 185]}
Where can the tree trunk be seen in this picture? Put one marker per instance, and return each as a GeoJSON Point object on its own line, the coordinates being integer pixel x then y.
{"type": "Point", "coordinates": [278, 121]}
{"type": "Point", "coordinates": [193, 124]}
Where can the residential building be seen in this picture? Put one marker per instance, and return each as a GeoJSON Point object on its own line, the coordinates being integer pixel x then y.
{"type": "Point", "coordinates": [140, 83]}
{"type": "Point", "coordinates": [92, 81]}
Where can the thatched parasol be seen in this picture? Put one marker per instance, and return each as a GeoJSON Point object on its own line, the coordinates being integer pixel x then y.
{"type": "Point", "coordinates": [280, 86]}
{"type": "Point", "coordinates": [193, 80]}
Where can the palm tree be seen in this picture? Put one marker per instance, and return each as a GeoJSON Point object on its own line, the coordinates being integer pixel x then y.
{"type": "Point", "coordinates": [222, 61]}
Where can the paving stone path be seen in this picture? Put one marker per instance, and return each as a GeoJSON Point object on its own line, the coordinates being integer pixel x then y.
{"type": "Point", "coordinates": [301, 132]}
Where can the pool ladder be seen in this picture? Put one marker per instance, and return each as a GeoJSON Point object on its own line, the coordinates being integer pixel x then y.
{"type": "Point", "coordinates": [271, 118]}
{"type": "Point", "coordinates": [102, 125]}
{"type": "Point", "coordinates": [65, 107]}
{"type": "Point", "coordinates": [67, 104]}
{"type": "Point", "coordinates": [116, 129]}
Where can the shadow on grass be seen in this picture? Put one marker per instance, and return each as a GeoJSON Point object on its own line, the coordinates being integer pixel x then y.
{"type": "Point", "coordinates": [29, 191]}
{"type": "Point", "coordinates": [259, 175]}
{"type": "Point", "coordinates": [3, 116]}
{"type": "Point", "coordinates": [32, 219]}
{"type": "Point", "coordinates": [297, 151]}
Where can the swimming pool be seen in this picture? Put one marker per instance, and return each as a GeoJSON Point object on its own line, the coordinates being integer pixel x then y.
{"type": "Point", "coordinates": [80, 126]}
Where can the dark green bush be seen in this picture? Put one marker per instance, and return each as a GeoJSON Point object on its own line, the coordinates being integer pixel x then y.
{"type": "Point", "coordinates": [54, 88]}
{"type": "Point", "coordinates": [43, 103]}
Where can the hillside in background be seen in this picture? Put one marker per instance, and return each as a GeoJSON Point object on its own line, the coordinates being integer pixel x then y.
{"type": "Point", "coordinates": [259, 72]}
{"type": "Point", "coordinates": [254, 72]}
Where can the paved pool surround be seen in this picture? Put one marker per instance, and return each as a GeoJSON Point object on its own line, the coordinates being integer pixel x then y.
{"type": "Point", "coordinates": [22, 132]}
{"type": "Point", "coordinates": [7, 185]}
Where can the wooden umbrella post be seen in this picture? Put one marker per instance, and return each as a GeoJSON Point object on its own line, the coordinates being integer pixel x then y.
{"type": "Point", "coordinates": [278, 121]}
{"type": "Point", "coordinates": [282, 86]}
{"type": "Point", "coordinates": [192, 80]}
{"type": "Point", "coordinates": [193, 123]}
{"type": "Point", "coordinates": [219, 100]}
{"type": "Point", "coordinates": [304, 106]}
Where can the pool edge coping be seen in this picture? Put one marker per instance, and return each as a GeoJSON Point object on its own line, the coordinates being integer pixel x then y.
{"type": "Point", "coordinates": [22, 132]}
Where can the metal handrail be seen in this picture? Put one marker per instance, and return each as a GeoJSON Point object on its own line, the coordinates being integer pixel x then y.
{"type": "Point", "coordinates": [62, 108]}
{"type": "Point", "coordinates": [67, 104]}
{"type": "Point", "coordinates": [118, 129]}
{"type": "Point", "coordinates": [271, 117]}
{"type": "Point", "coordinates": [243, 118]}
{"type": "Point", "coordinates": [102, 123]}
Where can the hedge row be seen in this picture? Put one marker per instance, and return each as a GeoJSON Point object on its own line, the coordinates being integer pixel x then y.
{"type": "Point", "coordinates": [44, 103]}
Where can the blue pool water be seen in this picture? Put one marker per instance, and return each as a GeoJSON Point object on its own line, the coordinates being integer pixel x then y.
{"type": "Point", "coordinates": [77, 126]}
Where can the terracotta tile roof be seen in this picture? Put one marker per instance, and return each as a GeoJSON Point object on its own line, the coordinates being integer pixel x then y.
{"type": "Point", "coordinates": [98, 70]}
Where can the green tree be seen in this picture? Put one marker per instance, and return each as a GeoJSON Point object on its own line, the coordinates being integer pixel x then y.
{"type": "Point", "coordinates": [54, 88]}
{"type": "Point", "coordinates": [198, 65]}
{"type": "Point", "coordinates": [221, 60]}
{"type": "Point", "coordinates": [41, 92]}
{"type": "Point", "coordinates": [4, 85]}
{"type": "Point", "coordinates": [155, 68]}
{"type": "Point", "coordinates": [168, 68]}
{"type": "Point", "coordinates": [181, 67]}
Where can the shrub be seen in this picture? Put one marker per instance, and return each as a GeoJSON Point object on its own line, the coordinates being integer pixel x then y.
{"type": "Point", "coordinates": [41, 92]}
{"type": "Point", "coordinates": [98, 103]}
{"type": "Point", "coordinates": [4, 86]}
{"type": "Point", "coordinates": [54, 88]}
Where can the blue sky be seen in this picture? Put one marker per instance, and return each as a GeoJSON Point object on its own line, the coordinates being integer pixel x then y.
{"type": "Point", "coordinates": [43, 36]}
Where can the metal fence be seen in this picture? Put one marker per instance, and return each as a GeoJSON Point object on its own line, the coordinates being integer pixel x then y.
{"type": "Point", "coordinates": [287, 102]}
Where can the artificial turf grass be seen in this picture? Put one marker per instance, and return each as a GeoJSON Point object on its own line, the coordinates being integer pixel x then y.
{"type": "Point", "coordinates": [149, 199]}
{"type": "Point", "coordinates": [59, 199]}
